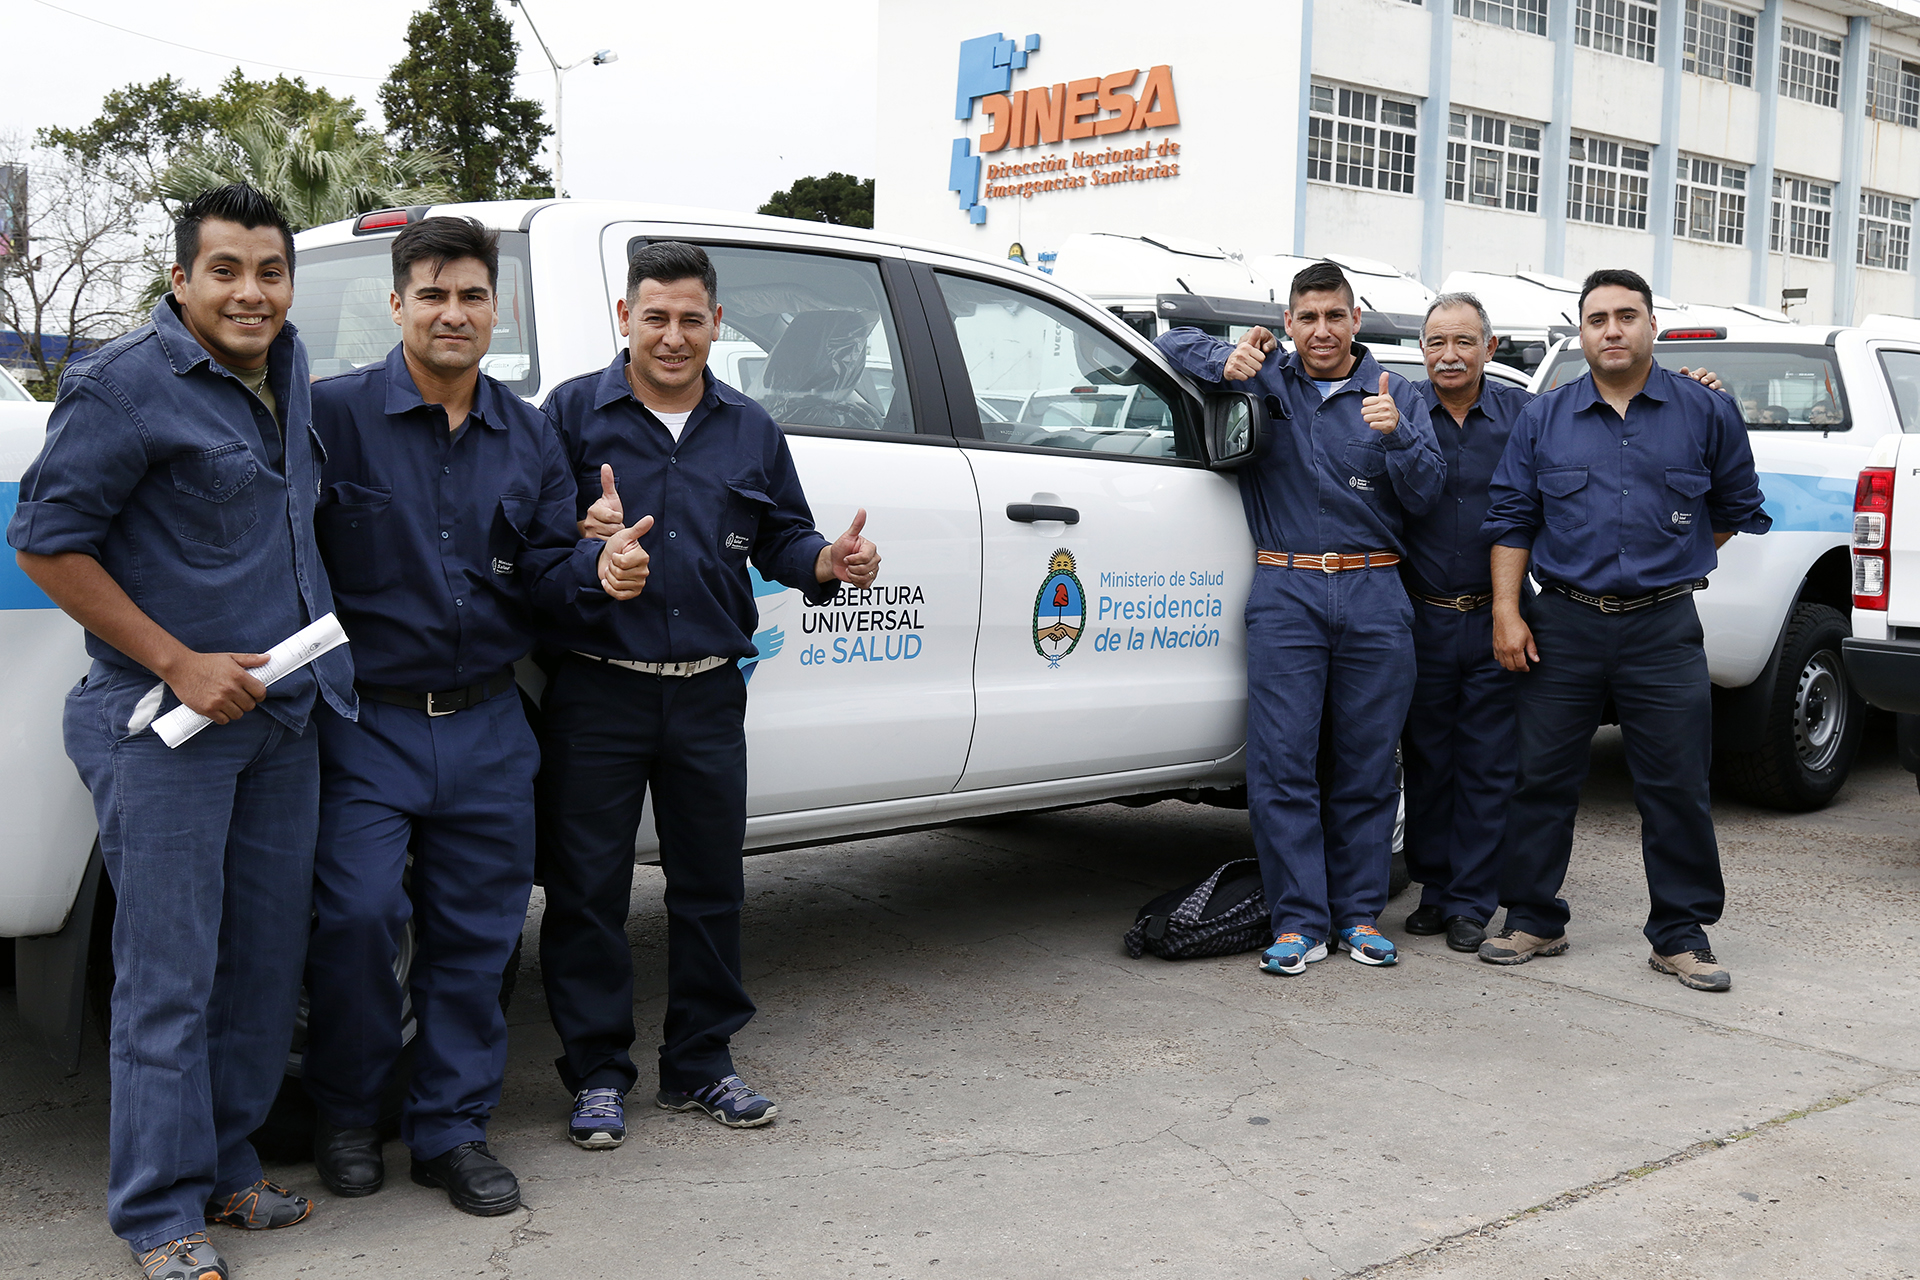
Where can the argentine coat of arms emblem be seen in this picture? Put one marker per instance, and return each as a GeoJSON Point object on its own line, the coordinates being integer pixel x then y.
{"type": "Point", "coordinates": [1059, 610]}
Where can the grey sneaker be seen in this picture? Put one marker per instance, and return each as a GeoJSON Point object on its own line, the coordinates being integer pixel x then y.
{"type": "Point", "coordinates": [1697, 969]}
{"type": "Point", "coordinates": [260, 1207]}
{"type": "Point", "coordinates": [1510, 946]}
{"type": "Point", "coordinates": [188, 1258]}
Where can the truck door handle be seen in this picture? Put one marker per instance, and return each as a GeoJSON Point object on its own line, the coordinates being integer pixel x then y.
{"type": "Point", "coordinates": [1028, 512]}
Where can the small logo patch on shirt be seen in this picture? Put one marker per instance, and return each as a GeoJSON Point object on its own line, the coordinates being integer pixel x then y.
{"type": "Point", "coordinates": [1683, 518]}
{"type": "Point", "coordinates": [736, 542]}
{"type": "Point", "coordinates": [502, 567]}
{"type": "Point", "coordinates": [1360, 483]}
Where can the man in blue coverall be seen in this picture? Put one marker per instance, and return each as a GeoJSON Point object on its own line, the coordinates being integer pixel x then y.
{"type": "Point", "coordinates": [1619, 488]}
{"type": "Point", "coordinates": [446, 519]}
{"type": "Point", "coordinates": [649, 694]}
{"type": "Point", "coordinates": [170, 513]}
{"type": "Point", "coordinates": [1348, 456]}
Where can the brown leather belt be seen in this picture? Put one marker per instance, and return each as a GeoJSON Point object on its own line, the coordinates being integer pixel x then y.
{"type": "Point", "coordinates": [1626, 604]}
{"type": "Point", "coordinates": [1463, 604]}
{"type": "Point", "coordinates": [1329, 562]}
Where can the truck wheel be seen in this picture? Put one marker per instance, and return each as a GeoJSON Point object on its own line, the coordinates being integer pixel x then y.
{"type": "Point", "coordinates": [1813, 725]}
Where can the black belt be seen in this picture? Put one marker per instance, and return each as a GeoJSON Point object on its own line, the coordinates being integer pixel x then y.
{"type": "Point", "coordinates": [1465, 604]}
{"type": "Point", "coordinates": [441, 702]}
{"type": "Point", "coordinates": [1626, 604]}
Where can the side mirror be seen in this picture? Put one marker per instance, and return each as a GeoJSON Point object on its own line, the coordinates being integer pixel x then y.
{"type": "Point", "coordinates": [1235, 422]}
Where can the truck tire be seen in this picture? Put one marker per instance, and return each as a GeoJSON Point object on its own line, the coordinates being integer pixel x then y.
{"type": "Point", "coordinates": [1813, 724]}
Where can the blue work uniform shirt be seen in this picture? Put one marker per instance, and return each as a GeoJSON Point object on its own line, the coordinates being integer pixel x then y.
{"type": "Point", "coordinates": [1447, 551]}
{"type": "Point", "coordinates": [1624, 507]}
{"type": "Point", "coordinates": [725, 491]}
{"type": "Point", "coordinates": [1323, 480]}
{"type": "Point", "coordinates": [162, 465]}
{"type": "Point", "coordinates": [442, 544]}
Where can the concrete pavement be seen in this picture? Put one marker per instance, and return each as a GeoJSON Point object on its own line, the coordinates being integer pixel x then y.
{"type": "Point", "coordinates": [975, 1081]}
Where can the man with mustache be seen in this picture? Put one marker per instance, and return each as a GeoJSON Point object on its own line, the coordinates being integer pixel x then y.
{"type": "Point", "coordinates": [170, 513]}
{"type": "Point", "coordinates": [447, 519]}
{"type": "Point", "coordinates": [1619, 489]}
{"type": "Point", "coordinates": [1349, 456]}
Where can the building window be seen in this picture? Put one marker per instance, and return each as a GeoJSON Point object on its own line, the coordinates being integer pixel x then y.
{"type": "Point", "coordinates": [1522, 15]}
{"type": "Point", "coordinates": [1711, 201]}
{"type": "Point", "coordinates": [1809, 66]}
{"type": "Point", "coordinates": [1616, 26]}
{"type": "Point", "coordinates": [1607, 183]}
{"type": "Point", "coordinates": [1802, 220]}
{"type": "Point", "coordinates": [1893, 88]}
{"type": "Point", "coordinates": [1493, 162]}
{"type": "Point", "coordinates": [1886, 232]}
{"type": "Point", "coordinates": [1360, 139]}
{"type": "Point", "coordinates": [1719, 43]}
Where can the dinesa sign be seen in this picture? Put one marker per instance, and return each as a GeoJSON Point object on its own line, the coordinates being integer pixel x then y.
{"type": "Point", "coordinates": [1094, 107]}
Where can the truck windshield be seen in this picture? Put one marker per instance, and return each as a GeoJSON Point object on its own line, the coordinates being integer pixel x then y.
{"type": "Point", "coordinates": [1780, 387]}
{"type": "Point", "coordinates": [340, 304]}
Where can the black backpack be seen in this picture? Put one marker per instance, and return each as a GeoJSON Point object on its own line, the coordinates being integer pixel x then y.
{"type": "Point", "coordinates": [1221, 915]}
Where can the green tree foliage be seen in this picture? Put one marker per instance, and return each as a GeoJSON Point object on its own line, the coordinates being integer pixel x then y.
{"type": "Point", "coordinates": [839, 198]}
{"type": "Point", "coordinates": [453, 93]}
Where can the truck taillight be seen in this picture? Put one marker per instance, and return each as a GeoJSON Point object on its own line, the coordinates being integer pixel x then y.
{"type": "Point", "coordinates": [1872, 523]}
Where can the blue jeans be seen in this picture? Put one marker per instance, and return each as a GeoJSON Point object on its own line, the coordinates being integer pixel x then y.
{"type": "Point", "coordinates": [1338, 642]}
{"type": "Point", "coordinates": [210, 852]}
{"type": "Point", "coordinates": [1460, 758]}
{"type": "Point", "coordinates": [456, 792]}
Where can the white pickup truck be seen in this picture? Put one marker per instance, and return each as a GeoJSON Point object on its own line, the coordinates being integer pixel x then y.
{"type": "Point", "coordinates": [1883, 654]}
{"type": "Point", "coordinates": [1818, 401]}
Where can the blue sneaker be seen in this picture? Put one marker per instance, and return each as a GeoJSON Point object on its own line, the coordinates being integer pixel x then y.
{"type": "Point", "coordinates": [1292, 953]}
{"type": "Point", "coordinates": [729, 1101]}
{"type": "Point", "coordinates": [1365, 944]}
{"type": "Point", "coordinates": [599, 1120]}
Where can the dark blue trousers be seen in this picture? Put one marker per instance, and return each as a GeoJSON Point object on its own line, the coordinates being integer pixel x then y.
{"type": "Point", "coordinates": [210, 852]}
{"type": "Point", "coordinates": [1339, 641]}
{"type": "Point", "coordinates": [1459, 755]}
{"type": "Point", "coordinates": [608, 734]}
{"type": "Point", "coordinates": [1652, 664]}
{"type": "Point", "coordinates": [456, 793]}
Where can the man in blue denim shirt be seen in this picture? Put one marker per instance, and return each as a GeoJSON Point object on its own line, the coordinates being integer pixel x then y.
{"type": "Point", "coordinates": [170, 513]}
{"type": "Point", "coordinates": [1348, 456]}
{"type": "Point", "coordinates": [1620, 488]}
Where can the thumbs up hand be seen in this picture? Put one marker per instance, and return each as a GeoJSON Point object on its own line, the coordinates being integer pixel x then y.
{"type": "Point", "coordinates": [623, 561]}
{"type": "Point", "coordinates": [605, 517]}
{"type": "Point", "coordinates": [1379, 410]}
{"type": "Point", "coordinates": [1250, 354]}
{"type": "Point", "coordinates": [850, 557]}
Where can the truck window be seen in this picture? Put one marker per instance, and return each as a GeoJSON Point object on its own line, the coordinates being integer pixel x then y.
{"type": "Point", "coordinates": [810, 336]}
{"type": "Point", "coordinates": [340, 305]}
{"type": "Point", "coordinates": [1046, 378]}
{"type": "Point", "coordinates": [1903, 379]}
{"type": "Point", "coordinates": [1780, 387]}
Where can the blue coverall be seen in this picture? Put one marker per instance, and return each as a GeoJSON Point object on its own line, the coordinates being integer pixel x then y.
{"type": "Point", "coordinates": [1325, 482]}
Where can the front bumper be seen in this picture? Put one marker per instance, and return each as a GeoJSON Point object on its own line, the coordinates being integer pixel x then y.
{"type": "Point", "coordinates": [1886, 672]}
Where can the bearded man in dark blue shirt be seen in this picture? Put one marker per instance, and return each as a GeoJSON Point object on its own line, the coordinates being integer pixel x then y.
{"type": "Point", "coordinates": [1619, 488]}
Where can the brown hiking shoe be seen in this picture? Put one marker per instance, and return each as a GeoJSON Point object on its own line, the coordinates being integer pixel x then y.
{"type": "Point", "coordinates": [1510, 946]}
{"type": "Point", "coordinates": [1697, 969]}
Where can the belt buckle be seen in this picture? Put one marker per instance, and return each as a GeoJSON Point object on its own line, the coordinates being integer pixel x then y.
{"type": "Point", "coordinates": [1463, 604]}
{"type": "Point", "coordinates": [1609, 604]}
{"type": "Point", "coordinates": [432, 714]}
{"type": "Point", "coordinates": [1330, 561]}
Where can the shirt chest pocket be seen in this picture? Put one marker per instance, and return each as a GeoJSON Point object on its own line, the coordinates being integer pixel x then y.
{"type": "Point", "coordinates": [1687, 493]}
{"type": "Point", "coordinates": [217, 499]}
{"type": "Point", "coordinates": [747, 502]}
{"type": "Point", "coordinates": [512, 533]}
{"type": "Point", "coordinates": [1366, 467]}
{"type": "Point", "coordinates": [1563, 492]}
{"type": "Point", "coordinates": [353, 531]}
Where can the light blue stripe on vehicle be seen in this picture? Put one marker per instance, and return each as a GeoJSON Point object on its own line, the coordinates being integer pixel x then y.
{"type": "Point", "coordinates": [16, 589]}
{"type": "Point", "coordinates": [1808, 504]}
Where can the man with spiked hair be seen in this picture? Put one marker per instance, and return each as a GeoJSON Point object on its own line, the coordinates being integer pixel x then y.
{"type": "Point", "coordinates": [170, 513]}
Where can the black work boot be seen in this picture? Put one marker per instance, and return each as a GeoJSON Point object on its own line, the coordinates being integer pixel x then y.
{"type": "Point", "coordinates": [475, 1181]}
{"type": "Point", "coordinates": [348, 1160]}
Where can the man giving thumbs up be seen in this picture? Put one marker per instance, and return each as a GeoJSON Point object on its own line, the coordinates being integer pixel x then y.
{"type": "Point", "coordinates": [686, 480]}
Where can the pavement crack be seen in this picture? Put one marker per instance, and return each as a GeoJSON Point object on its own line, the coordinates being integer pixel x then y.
{"type": "Point", "coordinates": [500, 1258]}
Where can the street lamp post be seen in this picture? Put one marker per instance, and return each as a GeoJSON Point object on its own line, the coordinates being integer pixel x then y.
{"type": "Point", "coordinates": [599, 59]}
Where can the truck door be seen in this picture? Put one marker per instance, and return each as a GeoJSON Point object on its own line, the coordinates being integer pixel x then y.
{"type": "Point", "coordinates": [870, 697]}
{"type": "Point", "coordinates": [1115, 565]}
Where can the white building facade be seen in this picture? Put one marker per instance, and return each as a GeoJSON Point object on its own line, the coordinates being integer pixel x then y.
{"type": "Point", "coordinates": [1733, 153]}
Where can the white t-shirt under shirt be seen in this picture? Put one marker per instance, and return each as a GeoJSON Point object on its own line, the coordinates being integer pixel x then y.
{"type": "Point", "coordinates": [1328, 388]}
{"type": "Point", "coordinates": [675, 423]}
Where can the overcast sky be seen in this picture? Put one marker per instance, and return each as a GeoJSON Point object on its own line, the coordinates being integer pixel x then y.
{"type": "Point", "coordinates": [716, 104]}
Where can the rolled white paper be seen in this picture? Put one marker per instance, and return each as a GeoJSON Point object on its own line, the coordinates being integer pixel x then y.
{"type": "Point", "coordinates": [291, 654]}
